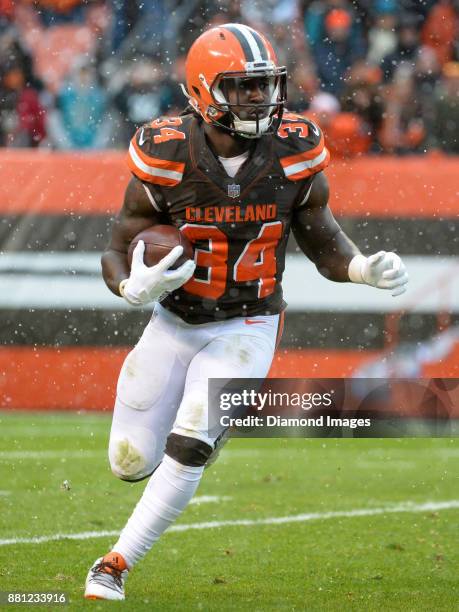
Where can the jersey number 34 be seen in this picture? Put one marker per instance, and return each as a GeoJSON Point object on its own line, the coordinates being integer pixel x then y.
{"type": "Point", "coordinates": [257, 262]}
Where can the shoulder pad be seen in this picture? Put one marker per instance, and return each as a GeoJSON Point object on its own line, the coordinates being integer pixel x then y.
{"type": "Point", "coordinates": [156, 152]}
{"type": "Point", "coordinates": [301, 147]}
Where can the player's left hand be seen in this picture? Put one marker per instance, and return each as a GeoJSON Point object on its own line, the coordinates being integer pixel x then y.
{"type": "Point", "coordinates": [382, 270]}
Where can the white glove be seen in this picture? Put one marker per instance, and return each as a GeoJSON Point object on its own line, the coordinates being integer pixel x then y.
{"type": "Point", "coordinates": [382, 270]}
{"type": "Point", "coordinates": [147, 284]}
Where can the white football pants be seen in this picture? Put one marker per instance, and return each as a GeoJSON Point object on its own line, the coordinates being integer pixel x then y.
{"type": "Point", "coordinates": [163, 384]}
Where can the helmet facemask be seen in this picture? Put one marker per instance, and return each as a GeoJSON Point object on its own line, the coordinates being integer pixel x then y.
{"type": "Point", "coordinates": [248, 119]}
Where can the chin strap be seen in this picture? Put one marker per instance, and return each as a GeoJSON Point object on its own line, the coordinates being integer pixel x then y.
{"type": "Point", "coordinates": [248, 129]}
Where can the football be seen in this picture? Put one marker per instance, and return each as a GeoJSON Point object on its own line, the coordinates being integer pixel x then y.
{"type": "Point", "coordinates": [159, 240]}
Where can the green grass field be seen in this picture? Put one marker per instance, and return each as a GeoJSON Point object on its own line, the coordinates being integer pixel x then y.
{"type": "Point", "coordinates": [382, 559]}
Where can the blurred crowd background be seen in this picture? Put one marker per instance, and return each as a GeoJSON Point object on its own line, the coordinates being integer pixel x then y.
{"type": "Point", "coordinates": [378, 76]}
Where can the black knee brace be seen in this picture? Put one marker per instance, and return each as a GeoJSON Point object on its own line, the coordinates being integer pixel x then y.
{"type": "Point", "coordinates": [188, 451]}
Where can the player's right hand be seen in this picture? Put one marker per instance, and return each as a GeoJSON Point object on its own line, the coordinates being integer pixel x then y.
{"type": "Point", "coordinates": [147, 284]}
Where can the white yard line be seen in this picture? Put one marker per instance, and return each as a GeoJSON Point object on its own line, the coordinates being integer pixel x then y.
{"type": "Point", "coordinates": [448, 452]}
{"type": "Point", "coordinates": [78, 454]}
{"type": "Point", "coordinates": [209, 499]}
{"type": "Point", "coordinates": [408, 507]}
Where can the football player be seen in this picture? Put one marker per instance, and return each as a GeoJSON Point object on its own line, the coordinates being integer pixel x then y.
{"type": "Point", "coordinates": [235, 172]}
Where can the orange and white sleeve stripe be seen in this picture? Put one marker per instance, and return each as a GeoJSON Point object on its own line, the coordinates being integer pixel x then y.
{"type": "Point", "coordinates": [302, 165]}
{"type": "Point", "coordinates": [153, 169]}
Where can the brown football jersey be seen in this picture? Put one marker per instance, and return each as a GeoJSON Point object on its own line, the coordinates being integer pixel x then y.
{"type": "Point", "coordinates": [238, 226]}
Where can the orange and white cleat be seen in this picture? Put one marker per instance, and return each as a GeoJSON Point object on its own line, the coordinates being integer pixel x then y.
{"type": "Point", "coordinates": [106, 578]}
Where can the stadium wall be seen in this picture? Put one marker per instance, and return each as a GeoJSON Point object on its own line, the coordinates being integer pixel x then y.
{"type": "Point", "coordinates": [63, 335]}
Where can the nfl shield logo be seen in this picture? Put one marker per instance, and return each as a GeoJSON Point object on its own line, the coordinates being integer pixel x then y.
{"type": "Point", "coordinates": [234, 191]}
